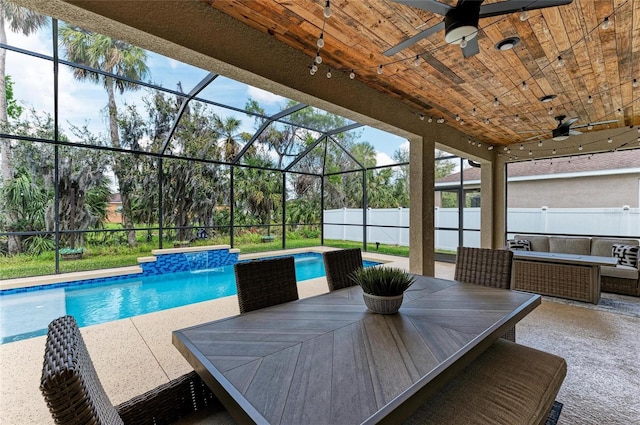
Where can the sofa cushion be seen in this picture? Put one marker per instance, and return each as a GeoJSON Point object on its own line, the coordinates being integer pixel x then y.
{"type": "Point", "coordinates": [602, 246]}
{"type": "Point", "coordinates": [578, 246]}
{"type": "Point", "coordinates": [538, 243]}
{"type": "Point", "coordinates": [627, 255]}
{"type": "Point", "coordinates": [519, 245]}
{"type": "Point", "coordinates": [621, 272]}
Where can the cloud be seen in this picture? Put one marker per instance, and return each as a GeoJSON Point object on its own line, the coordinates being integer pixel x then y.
{"type": "Point", "coordinates": [263, 96]}
{"type": "Point", "coordinates": [383, 159]}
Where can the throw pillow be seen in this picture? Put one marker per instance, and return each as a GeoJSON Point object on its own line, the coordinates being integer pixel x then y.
{"type": "Point", "coordinates": [627, 255]}
{"type": "Point", "coordinates": [519, 245]}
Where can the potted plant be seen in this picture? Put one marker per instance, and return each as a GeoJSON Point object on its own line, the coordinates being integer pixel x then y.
{"type": "Point", "coordinates": [71, 253]}
{"type": "Point", "coordinates": [382, 287]}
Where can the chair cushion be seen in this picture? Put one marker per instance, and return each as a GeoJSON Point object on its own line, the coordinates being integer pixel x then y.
{"type": "Point", "coordinates": [538, 243]}
{"type": "Point", "coordinates": [508, 384]}
{"type": "Point", "coordinates": [621, 272]}
{"type": "Point", "coordinates": [579, 246]}
{"type": "Point", "coordinates": [602, 246]}
{"type": "Point", "coordinates": [519, 245]}
{"type": "Point", "coordinates": [627, 255]}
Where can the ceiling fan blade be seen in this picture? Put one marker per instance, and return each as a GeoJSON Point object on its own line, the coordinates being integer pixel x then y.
{"type": "Point", "coordinates": [472, 48]}
{"type": "Point", "coordinates": [570, 121]}
{"type": "Point", "coordinates": [428, 5]}
{"type": "Point", "coordinates": [411, 41]}
{"type": "Point", "coordinates": [505, 7]}
{"type": "Point", "coordinates": [595, 123]}
{"type": "Point", "coordinates": [575, 132]}
{"type": "Point", "coordinates": [539, 136]}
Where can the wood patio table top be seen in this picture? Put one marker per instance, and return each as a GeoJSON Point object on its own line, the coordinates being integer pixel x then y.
{"type": "Point", "coordinates": [327, 360]}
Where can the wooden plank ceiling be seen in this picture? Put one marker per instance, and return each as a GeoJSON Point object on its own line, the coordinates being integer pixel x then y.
{"type": "Point", "coordinates": [597, 62]}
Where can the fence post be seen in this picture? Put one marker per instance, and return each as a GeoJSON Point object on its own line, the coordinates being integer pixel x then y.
{"type": "Point", "coordinates": [344, 221]}
{"type": "Point", "coordinates": [399, 226]}
{"type": "Point", "coordinates": [545, 219]}
{"type": "Point", "coordinates": [626, 220]}
{"type": "Point", "coordinates": [436, 222]}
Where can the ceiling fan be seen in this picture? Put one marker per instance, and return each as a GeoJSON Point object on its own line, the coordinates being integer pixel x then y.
{"type": "Point", "coordinates": [565, 129]}
{"type": "Point", "coordinates": [461, 21]}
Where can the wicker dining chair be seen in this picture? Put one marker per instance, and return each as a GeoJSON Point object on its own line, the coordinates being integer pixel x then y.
{"type": "Point", "coordinates": [486, 267]}
{"type": "Point", "coordinates": [75, 396]}
{"type": "Point", "coordinates": [263, 283]}
{"type": "Point", "coordinates": [339, 264]}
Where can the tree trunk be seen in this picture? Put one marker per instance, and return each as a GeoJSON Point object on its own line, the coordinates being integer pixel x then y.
{"type": "Point", "coordinates": [123, 185]}
{"type": "Point", "coordinates": [5, 145]}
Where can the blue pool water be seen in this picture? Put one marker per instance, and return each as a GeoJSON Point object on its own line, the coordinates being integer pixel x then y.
{"type": "Point", "coordinates": [27, 314]}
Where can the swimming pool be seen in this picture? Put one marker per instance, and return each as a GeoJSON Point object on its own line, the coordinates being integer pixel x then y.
{"type": "Point", "coordinates": [27, 314]}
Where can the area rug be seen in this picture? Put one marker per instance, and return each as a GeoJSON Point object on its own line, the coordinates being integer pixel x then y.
{"type": "Point", "coordinates": [600, 344]}
{"type": "Point", "coordinates": [613, 303]}
{"type": "Point", "coordinates": [552, 419]}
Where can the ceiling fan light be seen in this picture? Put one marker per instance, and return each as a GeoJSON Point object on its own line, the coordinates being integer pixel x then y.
{"type": "Point", "coordinates": [458, 34]}
{"type": "Point", "coordinates": [560, 138]}
{"type": "Point", "coordinates": [507, 44]}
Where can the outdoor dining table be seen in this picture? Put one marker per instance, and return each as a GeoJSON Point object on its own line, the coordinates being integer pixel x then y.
{"type": "Point", "coordinates": [327, 360]}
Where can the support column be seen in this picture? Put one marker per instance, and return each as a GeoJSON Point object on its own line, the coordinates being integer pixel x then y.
{"type": "Point", "coordinates": [421, 215]}
{"type": "Point", "coordinates": [493, 186]}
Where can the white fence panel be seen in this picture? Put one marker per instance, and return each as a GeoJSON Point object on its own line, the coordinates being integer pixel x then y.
{"type": "Point", "coordinates": [623, 221]}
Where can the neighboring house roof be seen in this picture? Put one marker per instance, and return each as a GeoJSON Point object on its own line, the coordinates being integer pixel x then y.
{"type": "Point", "coordinates": [625, 161]}
{"type": "Point", "coordinates": [115, 198]}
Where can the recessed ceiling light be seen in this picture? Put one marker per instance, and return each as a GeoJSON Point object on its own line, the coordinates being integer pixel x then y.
{"type": "Point", "coordinates": [548, 98]}
{"type": "Point", "coordinates": [507, 43]}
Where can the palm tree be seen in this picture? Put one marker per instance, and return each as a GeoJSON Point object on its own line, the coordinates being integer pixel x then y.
{"type": "Point", "coordinates": [27, 22]}
{"type": "Point", "coordinates": [119, 58]}
{"type": "Point", "coordinates": [229, 127]}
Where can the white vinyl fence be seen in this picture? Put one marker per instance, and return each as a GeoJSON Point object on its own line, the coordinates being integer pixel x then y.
{"type": "Point", "coordinates": [346, 224]}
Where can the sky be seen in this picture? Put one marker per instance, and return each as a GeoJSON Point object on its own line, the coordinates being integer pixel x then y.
{"type": "Point", "coordinates": [84, 103]}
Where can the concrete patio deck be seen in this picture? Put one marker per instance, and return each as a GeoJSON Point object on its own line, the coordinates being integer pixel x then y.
{"type": "Point", "coordinates": [131, 355]}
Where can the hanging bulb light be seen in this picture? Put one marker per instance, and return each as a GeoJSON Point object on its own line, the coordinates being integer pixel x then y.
{"type": "Point", "coordinates": [540, 144]}
{"type": "Point", "coordinates": [430, 119]}
{"type": "Point", "coordinates": [589, 126]}
{"type": "Point", "coordinates": [380, 70]}
{"type": "Point", "coordinates": [550, 110]}
{"type": "Point", "coordinates": [580, 148]}
{"type": "Point", "coordinates": [312, 72]}
{"type": "Point", "coordinates": [457, 117]}
{"type": "Point", "coordinates": [314, 68]}
{"type": "Point", "coordinates": [530, 153]}
{"type": "Point", "coordinates": [635, 83]}
{"type": "Point", "coordinates": [606, 24]}
{"type": "Point", "coordinates": [524, 15]}
{"type": "Point", "coordinates": [516, 118]}
{"type": "Point", "coordinates": [560, 62]}
{"type": "Point", "coordinates": [318, 58]}
{"type": "Point", "coordinates": [590, 100]}
{"type": "Point", "coordinates": [479, 145]}
{"type": "Point", "coordinates": [321, 41]}
{"type": "Point", "coordinates": [463, 42]}
{"type": "Point", "coordinates": [416, 62]}
{"type": "Point", "coordinates": [496, 102]}
{"type": "Point", "coordinates": [521, 147]}
{"type": "Point", "coordinates": [486, 121]}
{"type": "Point", "coordinates": [609, 140]}
{"type": "Point", "coordinates": [329, 73]}
{"type": "Point", "coordinates": [474, 112]}
{"type": "Point", "coordinates": [506, 148]}
{"type": "Point", "coordinates": [490, 147]}
{"type": "Point", "coordinates": [421, 117]}
{"type": "Point", "coordinates": [352, 75]}
{"type": "Point", "coordinates": [327, 9]}
{"type": "Point", "coordinates": [525, 86]}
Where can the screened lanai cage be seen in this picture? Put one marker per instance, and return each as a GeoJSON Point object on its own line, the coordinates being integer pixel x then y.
{"type": "Point", "coordinates": [110, 151]}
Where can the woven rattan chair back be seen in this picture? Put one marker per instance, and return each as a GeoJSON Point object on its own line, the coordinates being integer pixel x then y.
{"type": "Point", "coordinates": [263, 283]}
{"type": "Point", "coordinates": [339, 264]}
{"type": "Point", "coordinates": [69, 383]}
{"type": "Point", "coordinates": [486, 267]}
{"type": "Point", "coordinates": [74, 394]}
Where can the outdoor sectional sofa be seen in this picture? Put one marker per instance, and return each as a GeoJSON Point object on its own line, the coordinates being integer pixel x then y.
{"type": "Point", "coordinates": [621, 279]}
